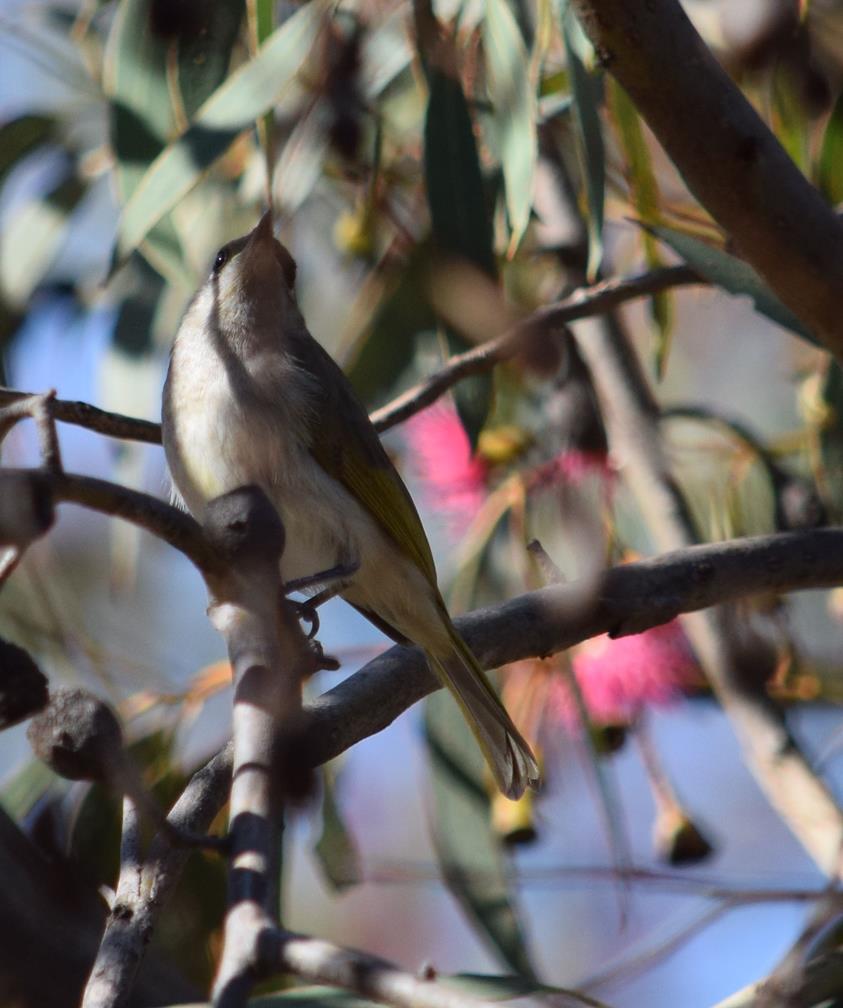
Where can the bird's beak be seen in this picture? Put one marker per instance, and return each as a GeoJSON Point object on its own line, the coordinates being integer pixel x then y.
{"type": "Point", "coordinates": [262, 234]}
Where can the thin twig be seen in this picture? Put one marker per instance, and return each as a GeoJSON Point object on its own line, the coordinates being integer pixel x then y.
{"type": "Point", "coordinates": [582, 303]}
{"type": "Point", "coordinates": [321, 962]}
{"type": "Point", "coordinates": [82, 414]}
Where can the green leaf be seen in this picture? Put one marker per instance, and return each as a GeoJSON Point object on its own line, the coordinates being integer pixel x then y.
{"type": "Point", "coordinates": [585, 90]}
{"type": "Point", "coordinates": [31, 239]}
{"type": "Point", "coordinates": [379, 362]}
{"type": "Point", "coordinates": [830, 477]}
{"type": "Point", "coordinates": [20, 137]}
{"type": "Point", "coordinates": [335, 849]}
{"type": "Point", "coordinates": [27, 786]}
{"type": "Point", "coordinates": [644, 194]}
{"type": "Point", "coordinates": [514, 111]}
{"type": "Point", "coordinates": [205, 51]}
{"type": "Point", "coordinates": [733, 275]}
{"type": "Point", "coordinates": [461, 223]}
{"type": "Point", "coordinates": [470, 855]}
{"type": "Point", "coordinates": [249, 92]}
{"type": "Point", "coordinates": [831, 156]}
{"type": "Point", "coordinates": [135, 74]}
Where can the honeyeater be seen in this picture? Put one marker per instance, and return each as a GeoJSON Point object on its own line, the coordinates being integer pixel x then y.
{"type": "Point", "coordinates": [252, 398]}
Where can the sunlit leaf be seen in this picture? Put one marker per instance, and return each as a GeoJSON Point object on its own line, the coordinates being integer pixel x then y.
{"type": "Point", "coordinates": [585, 90]}
{"type": "Point", "coordinates": [514, 111]}
{"type": "Point", "coordinates": [733, 275]}
{"type": "Point", "coordinates": [831, 156]}
{"type": "Point", "coordinates": [31, 238]}
{"type": "Point", "coordinates": [249, 92]}
{"type": "Point", "coordinates": [470, 856]}
{"type": "Point", "coordinates": [300, 166]}
{"type": "Point", "coordinates": [335, 849]}
{"type": "Point", "coordinates": [135, 73]}
{"type": "Point", "coordinates": [644, 194]}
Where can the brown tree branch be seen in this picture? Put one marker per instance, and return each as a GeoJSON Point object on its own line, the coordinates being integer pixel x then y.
{"type": "Point", "coordinates": [321, 962]}
{"type": "Point", "coordinates": [628, 599]}
{"type": "Point", "coordinates": [582, 303]}
{"type": "Point", "coordinates": [631, 416]}
{"type": "Point", "coordinates": [728, 157]}
{"type": "Point", "coordinates": [84, 415]}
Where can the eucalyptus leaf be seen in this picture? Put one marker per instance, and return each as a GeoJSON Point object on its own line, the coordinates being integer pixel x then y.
{"type": "Point", "coordinates": [830, 478]}
{"type": "Point", "coordinates": [21, 136]}
{"type": "Point", "coordinates": [135, 73]}
{"type": "Point", "coordinates": [335, 849]}
{"type": "Point", "coordinates": [460, 219]}
{"type": "Point", "coordinates": [585, 91]}
{"type": "Point", "coordinates": [235, 106]}
{"type": "Point", "coordinates": [514, 111]}
{"type": "Point", "coordinates": [644, 195]}
{"type": "Point", "coordinates": [831, 155]}
{"type": "Point", "coordinates": [733, 275]}
{"type": "Point", "coordinates": [470, 855]}
{"type": "Point", "coordinates": [204, 53]}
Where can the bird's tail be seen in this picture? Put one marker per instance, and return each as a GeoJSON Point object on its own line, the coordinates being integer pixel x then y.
{"type": "Point", "coordinates": [509, 757]}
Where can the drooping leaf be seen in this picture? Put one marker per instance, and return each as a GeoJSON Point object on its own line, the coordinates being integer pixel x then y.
{"type": "Point", "coordinates": [31, 239]}
{"type": "Point", "coordinates": [831, 156]}
{"type": "Point", "coordinates": [21, 136]}
{"type": "Point", "coordinates": [733, 275]}
{"type": "Point", "coordinates": [378, 362]}
{"type": "Point", "coordinates": [644, 194]}
{"type": "Point", "coordinates": [205, 51]}
{"type": "Point", "coordinates": [247, 93]}
{"type": "Point", "coordinates": [514, 111]}
{"type": "Point", "coordinates": [462, 225]}
{"type": "Point", "coordinates": [335, 849]}
{"type": "Point", "coordinates": [460, 219]}
{"type": "Point", "coordinates": [261, 19]}
{"type": "Point", "coordinates": [830, 478]}
{"type": "Point", "coordinates": [585, 91]}
{"type": "Point", "coordinates": [28, 786]}
{"type": "Point", "coordinates": [470, 855]}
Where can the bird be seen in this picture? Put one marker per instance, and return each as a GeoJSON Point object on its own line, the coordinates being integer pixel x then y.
{"type": "Point", "coordinates": [251, 398]}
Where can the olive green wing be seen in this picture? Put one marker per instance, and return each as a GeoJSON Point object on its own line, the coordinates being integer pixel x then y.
{"type": "Point", "coordinates": [347, 447]}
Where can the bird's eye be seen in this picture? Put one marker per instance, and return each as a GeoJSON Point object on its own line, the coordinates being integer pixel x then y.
{"type": "Point", "coordinates": [221, 259]}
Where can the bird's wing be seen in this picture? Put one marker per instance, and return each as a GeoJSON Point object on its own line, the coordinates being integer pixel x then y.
{"type": "Point", "coordinates": [347, 447]}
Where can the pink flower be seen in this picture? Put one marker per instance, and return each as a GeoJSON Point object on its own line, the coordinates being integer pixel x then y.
{"type": "Point", "coordinates": [453, 479]}
{"type": "Point", "coordinates": [573, 467]}
{"type": "Point", "coordinates": [618, 678]}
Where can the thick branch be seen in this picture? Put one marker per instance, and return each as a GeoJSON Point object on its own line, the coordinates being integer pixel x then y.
{"type": "Point", "coordinates": [733, 164]}
{"type": "Point", "coordinates": [627, 599]}
{"type": "Point", "coordinates": [631, 417]}
{"type": "Point", "coordinates": [582, 303]}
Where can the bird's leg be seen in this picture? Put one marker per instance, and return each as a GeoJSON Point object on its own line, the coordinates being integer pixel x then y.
{"type": "Point", "coordinates": [307, 610]}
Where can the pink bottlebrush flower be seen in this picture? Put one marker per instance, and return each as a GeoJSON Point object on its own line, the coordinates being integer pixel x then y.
{"type": "Point", "coordinates": [573, 467]}
{"type": "Point", "coordinates": [453, 479]}
{"type": "Point", "coordinates": [619, 677]}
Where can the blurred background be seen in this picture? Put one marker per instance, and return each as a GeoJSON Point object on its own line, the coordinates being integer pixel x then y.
{"type": "Point", "coordinates": [650, 870]}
